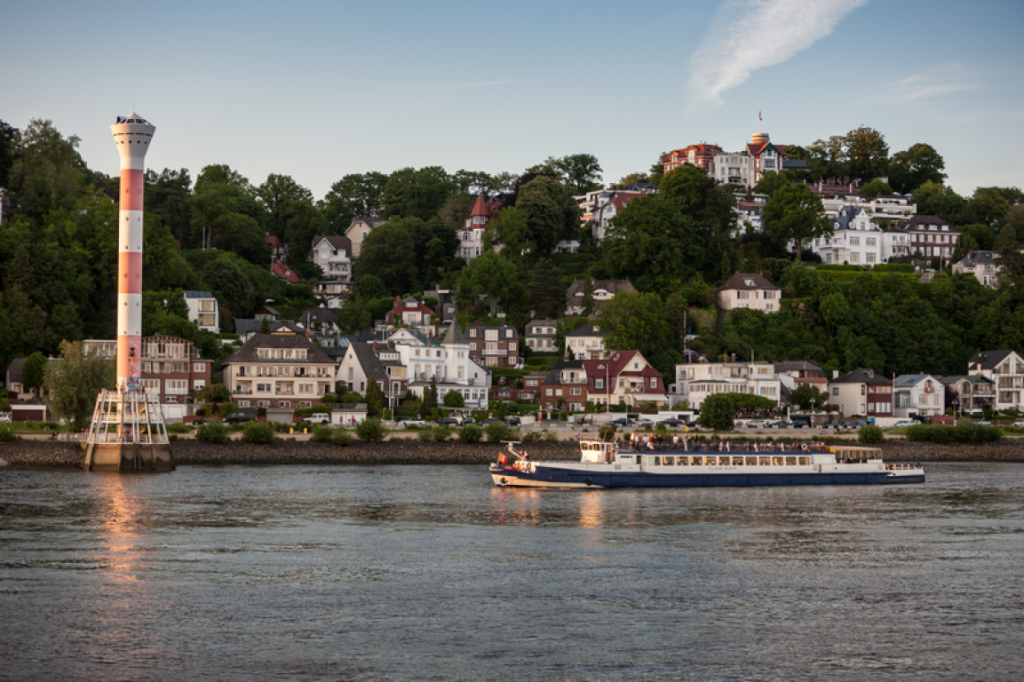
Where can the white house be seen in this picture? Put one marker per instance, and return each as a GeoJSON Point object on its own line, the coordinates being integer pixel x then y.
{"type": "Point", "coordinates": [918, 394]}
{"type": "Point", "coordinates": [696, 381]}
{"type": "Point", "coordinates": [749, 290]}
{"type": "Point", "coordinates": [333, 253]}
{"type": "Point", "coordinates": [203, 310]}
{"type": "Point", "coordinates": [1006, 368]}
{"type": "Point", "coordinates": [981, 264]}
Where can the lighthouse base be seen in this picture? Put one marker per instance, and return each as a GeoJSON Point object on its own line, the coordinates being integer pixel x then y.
{"type": "Point", "coordinates": [128, 434]}
{"type": "Point", "coordinates": [129, 458]}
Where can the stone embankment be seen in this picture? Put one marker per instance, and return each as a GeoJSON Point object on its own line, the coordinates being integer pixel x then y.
{"type": "Point", "coordinates": [61, 455]}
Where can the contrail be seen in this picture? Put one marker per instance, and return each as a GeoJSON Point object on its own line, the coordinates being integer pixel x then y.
{"type": "Point", "coordinates": [747, 35]}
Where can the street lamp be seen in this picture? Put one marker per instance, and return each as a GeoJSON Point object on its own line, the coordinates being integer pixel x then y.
{"type": "Point", "coordinates": [955, 403]}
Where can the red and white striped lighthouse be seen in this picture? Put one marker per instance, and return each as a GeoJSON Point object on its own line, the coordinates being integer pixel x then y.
{"type": "Point", "coordinates": [132, 135]}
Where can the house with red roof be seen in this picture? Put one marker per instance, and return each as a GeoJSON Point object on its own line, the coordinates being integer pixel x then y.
{"type": "Point", "coordinates": [471, 235]}
{"type": "Point", "coordinates": [279, 269]}
{"type": "Point", "coordinates": [410, 312]}
{"type": "Point", "coordinates": [278, 249]}
{"type": "Point", "coordinates": [624, 377]}
{"type": "Point", "coordinates": [765, 156]}
{"type": "Point", "coordinates": [700, 155]}
{"type": "Point", "coordinates": [604, 212]}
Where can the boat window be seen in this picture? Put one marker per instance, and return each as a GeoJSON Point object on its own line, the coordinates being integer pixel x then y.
{"type": "Point", "coordinates": [670, 461]}
{"type": "Point", "coordinates": [751, 461]}
{"type": "Point", "coordinates": [697, 461]}
{"type": "Point", "coordinates": [764, 461]}
{"type": "Point", "coordinates": [776, 461]}
{"type": "Point", "coordinates": [657, 461]}
{"type": "Point", "coordinates": [804, 461]}
{"type": "Point", "coordinates": [791, 461]}
{"type": "Point", "coordinates": [684, 461]}
{"type": "Point", "coordinates": [737, 461]}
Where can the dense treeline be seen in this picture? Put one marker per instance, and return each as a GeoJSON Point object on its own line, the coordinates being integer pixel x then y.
{"type": "Point", "coordinates": [58, 254]}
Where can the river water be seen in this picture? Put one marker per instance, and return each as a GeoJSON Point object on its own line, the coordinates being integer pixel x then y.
{"type": "Point", "coordinates": [420, 573]}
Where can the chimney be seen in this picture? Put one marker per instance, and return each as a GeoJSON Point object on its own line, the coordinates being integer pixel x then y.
{"type": "Point", "coordinates": [734, 357]}
{"type": "Point", "coordinates": [835, 374]}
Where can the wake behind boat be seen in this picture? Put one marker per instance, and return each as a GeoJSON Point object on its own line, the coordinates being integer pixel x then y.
{"type": "Point", "coordinates": [692, 463]}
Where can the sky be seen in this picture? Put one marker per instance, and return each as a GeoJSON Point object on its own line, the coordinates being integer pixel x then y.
{"type": "Point", "coordinates": [318, 90]}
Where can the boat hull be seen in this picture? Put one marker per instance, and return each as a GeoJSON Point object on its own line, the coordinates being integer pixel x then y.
{"type": "Point", "coordinates": [546, 476]}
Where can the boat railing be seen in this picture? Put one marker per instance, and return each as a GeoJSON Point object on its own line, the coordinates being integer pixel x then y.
{"type": "Point", "coordinates": [726, 447]}
{"type": "Point", "coordinates": [903, 467]}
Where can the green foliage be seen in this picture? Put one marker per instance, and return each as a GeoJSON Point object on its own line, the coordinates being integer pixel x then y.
{"type": "Point", "coordinates": [341, 437]}
{"type": "Point", "coordinates": [635, 321]}
{"type": "Point", "coordinates": [371, 430]}
{"type": "Point", "coordinates": [321, 433]}
{"type": "Point", "coordinates": [919, 164]}
{"type": "Point", "coordinates": [795, 214]}
{"type": "Point", "coordinates": [965, 431]}
{"type": "Point", "coordinates": [214, 393]}
{"type": "Point", "coordinates": [499, 431]}
{"type": "Point", "coordinates": [454, 399]}
{"type": "Point", "coordinates": [870, 434]}
{"type": "Point", "coordinates": [179, 428]}
{"type": "Point", "coordinates": [875, 188]}
{"type": "Point", "coordinates": [7, 433]}
{"type": "Point", "coordinates": [73, 383]}
{"type": "Point", "coordinates": [717, 412]}
{"type": "Point", "coordinates": [33, 372]}
{"type": "Point", "coordinates": [607, 432]}
{"type": "Point", "coordinates": [213, 432]}
{"type": "Point", "coordinates": [470, 434]}
{"type": "Point", "coordinates": [374, 398]}
{"type": "Point", "coordinates": [259, 433]}
{"type": "Point", "coordinates": [551, 213]}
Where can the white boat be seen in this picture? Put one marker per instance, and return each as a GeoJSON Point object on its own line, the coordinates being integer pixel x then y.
{"type": "Point", "coordinates": [693, 463]}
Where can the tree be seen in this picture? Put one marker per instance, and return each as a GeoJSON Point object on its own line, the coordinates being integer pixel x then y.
{"type": "Point", "coordinates": [551, 213]}
{"type": "Point", "coordinates": [919, 164]}
{"type": "Point", "coordinates": [33, 372]}
{"type": "Point", "coordinates": [867, 154]}
{"type": "Point", "coordinates": [653, 244]}
{"type": "Point", "coordinates": [581, 173]}
{"type": "Point", "coordinates": [7, 133]}
{"type": "Point", "coordinates": [809, 397]}
{"type": "Point", "coordinates": [511, 229]}
{"type": "Point", "coordinates": [417, 193]}
{"type": "Point", "coordinates": [167, 197]}
{"type": "Point", "coordinates": [374, 398]}
{"type": "Point", "coordinates": [717, 412]}
{"type": "Point", "coordinates": [875, 188]}
{"type": "Point", "coordinates": [454, 399]}
{"type": "Point", "coordinates": [989, 207]}
{"type": "Point", "coordinates": [389, 254]}
{"type": "Point", "coordinates": [493, 276]}
{"type": "Point", "coordinates": [73, 383]}
{"type": "Point", "coordinates": [933, 198]}
{"type": "Point", "coordinates": [795, 214]}
{"type": "Point", "coordinates": [289, 213]}
{"type": "Point", "coordinates": [47, 173]}
{"type": "Point", "coordinates": [355, 195]}
{"type": "Point", "coordinates": [710, 209]}
{"type": "Point", "coordinates": [429, 403]}
{"type": "Point", "coordinates": [546, 293]}
{"type": "Point", "coordinates": [635, 321]}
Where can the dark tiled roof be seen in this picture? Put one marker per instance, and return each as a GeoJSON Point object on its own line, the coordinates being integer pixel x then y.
{"type": "Point", "coordinates": [368, 360]}
{"type": "Point", "coordinates": [989, 359]}
{"type": "Point", "coordinates": [862, 376]}
{"type": "Point", "coordinates": [250, 351]}
{"type": "Point", "coordinates": [740, 281]}
{"type": "Point", "coordinates": [454, 335]}
{"type": "Point", "coordinates": [247, 326]}
{"type": "Point", "coordinates": [198, 294]}
{"type": "Point", "coordinates": [587, 330]}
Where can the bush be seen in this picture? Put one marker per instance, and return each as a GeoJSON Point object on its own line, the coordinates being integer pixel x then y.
{"type": "Point", "coordinates": [341, 437]}
{"type": "Point", "coordinates": [550, 436]}
{"type": "Point", "coordinates": [213, 432]}
{"type": "Point", "coordinates": [7, 433]}
{"type": "Point", "coordinates": [321, 433]}
{"type": "Point", "coordinates": [607, 432]}
{"type": "Point", "coordinates": [178, 428]}
{"type": "Point", "coordinates": [870, 434]}
{"type": "Point", "coordinates": [965, 431]}
{"type": "Point", "coordinates": [426, 434]}
{"type": "Point", "coordinates": [532, 437]}
{"type": "Point", "coordinates": [470, 434]}
{"type": "Point", "coordinates": [499, 431]}
{"type": "Point", "coordinates": [442, 433]}
{"type": "Point", "coordinates": [260, 433]}
{"type": "Point", "coordinates": [371, 430]}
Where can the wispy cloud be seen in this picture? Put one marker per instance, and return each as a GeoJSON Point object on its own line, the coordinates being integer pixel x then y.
{"type": "Point", "coordinates": [747, 35]}
{"type": "Point", "coordinates": [925, 86]}
{"type": "Point", "coordinates": [450, 86]}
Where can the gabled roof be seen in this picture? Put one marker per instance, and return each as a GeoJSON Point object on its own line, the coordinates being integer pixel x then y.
{"type": "Point", "coordinates": [318, 316]}
{"type": "Point", "coordinates": [588, 330]}
{"type": "Point", "coordinates": [612, 286]}
{"type": "Point", "coordinates": [249, 352]}
{"type": "Point", "coordinates": [247, 326]}
{"type": "Point", "coordinates": [554, 377]}
{"type": "Point", "coordinates": [284, 272]}
{"type": "Point", "coordinates": [480, 208]}
{"type": "Point", "coordinates": [862, 376]}
{"type": "Point", "coordinates": [533, 324]}
{"type": "Point", "coordinates": [989, 359]}
{"type": "Point", "coordinates": [921, 222]}
{"type": "Point", "coordinates": [274, 242]}
{"type": "Point", "coordinates": [367, 358]}
{"type": "Point", "coordinates": [796, 366]}
{"type": "Point", "coordinates": [910, 380]}
{"type": "Point", "coordinates": [748, 281]}
{"type": "Point", "coordinates": [969, 378]}
{"type": "Point", "coordinates": [979, 258]}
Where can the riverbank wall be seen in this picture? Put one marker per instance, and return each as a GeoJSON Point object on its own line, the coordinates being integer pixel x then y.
{"type": "Point", "coordinates": [61, 455]}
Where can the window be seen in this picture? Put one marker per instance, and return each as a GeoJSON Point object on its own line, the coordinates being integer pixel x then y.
{"type": "Point", "coordinates": [599, 383]}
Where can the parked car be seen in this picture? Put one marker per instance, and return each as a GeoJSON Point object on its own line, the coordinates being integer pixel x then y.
{"type": "Point", "coordinates": [777, 424]}
{"type": "Point", "coordinates": [5, 418]}
{"type": "Point", "coordinates": [831, 424]}
{"type": "Point", "coordinates": [673, 423]}
{"type": "Point", "coordinates": [490, 420]}
{"type": "Point", "coordinates": [622, 421]}
{"type": "Point", "coordinates": [195, 422]}
{"type": "Point", "coordinates": [801, 424]}
{"type": "Point", "coordinates": [415, 423]}
{"type": "Point", "coordinates": [468, 420]}
{"type": "Point", "coordinates": [448, 421]}
{"type": "Point", "coordinates": [644, 422]}
{"type": "Point", "coordinates": [1019, 423]}
{"type": "Point", "coordinates": [757, 424]}
{"type": "Point", "coordinates": [983, 422]}
{"type": "Point", "coordinates": [904, 423]}
{"type": "Point", "coordinates": [240, 415]}
{"type": "Point", "coordinates": [513, 421]}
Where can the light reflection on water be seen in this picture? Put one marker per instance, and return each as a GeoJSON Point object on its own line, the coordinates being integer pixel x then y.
{"type": "Point", "coordinates": [416, 573]}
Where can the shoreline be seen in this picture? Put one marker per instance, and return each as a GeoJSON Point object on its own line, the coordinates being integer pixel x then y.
{"type": "Point", "coordinates": [39, 454]}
